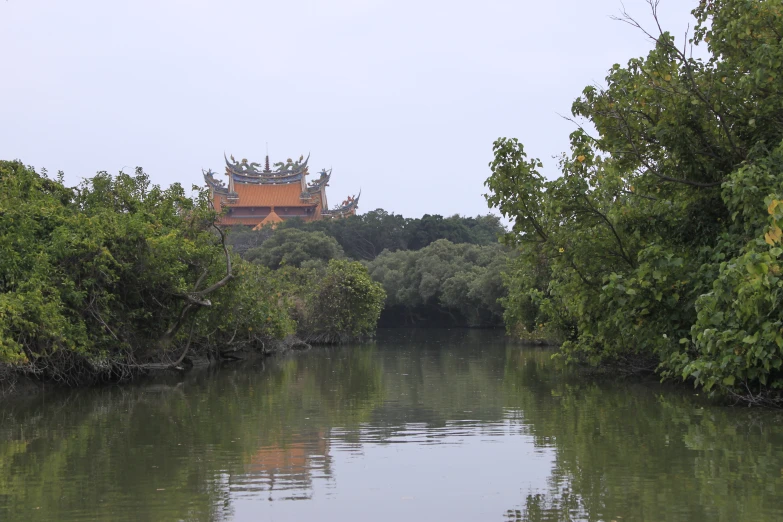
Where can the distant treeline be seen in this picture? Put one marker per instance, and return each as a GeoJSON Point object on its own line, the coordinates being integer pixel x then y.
{"type": "Point", "coordinates": [365, 236]}
{"type": "Point", "coordinates": [437, 271]}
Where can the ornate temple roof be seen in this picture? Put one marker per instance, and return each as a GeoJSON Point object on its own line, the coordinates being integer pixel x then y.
{"type": "Point", "coordinates": [350, 205]}
{"type": "Point", "coordinates": [285, 172]}
{"type": "Point", "coordinates": [216, 185]}
{"type": "Point", "coordinates": [323, 179]}
{"type": "Point", "coordinates": [260, 189]}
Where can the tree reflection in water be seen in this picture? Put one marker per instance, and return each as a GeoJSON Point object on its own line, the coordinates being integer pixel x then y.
{"type": "Point", "coordinates": [194, 449]}
{"type": "Point", "coordinates": [641, 451]}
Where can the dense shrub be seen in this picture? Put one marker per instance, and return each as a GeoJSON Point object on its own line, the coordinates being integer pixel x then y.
{"type": "Point", "coordinates": [443, 283]}
{"type": "Point", "coordinates": [254, 310]}
{"type": "Point", "coordinates": [119, 276]}
{"type": "Point", "coordinates": [343, 303]}
{"type": "Point", "coordinates": [435, 283]}
{"type": "Point", "coordinates": [293, 247]}
{"type": "Point", "coordinates": [660, 241]}
{"type": "Point", "coordinates": [104, 277]}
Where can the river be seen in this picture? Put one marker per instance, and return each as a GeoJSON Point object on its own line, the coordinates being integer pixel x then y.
{"type": "Point", "coordinates": [420, 425]}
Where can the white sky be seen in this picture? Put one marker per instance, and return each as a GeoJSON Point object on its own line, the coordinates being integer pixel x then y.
{"type": "Point", "coordinates": [402, 98]}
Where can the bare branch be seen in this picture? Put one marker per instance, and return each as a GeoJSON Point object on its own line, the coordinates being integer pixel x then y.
{"type": "Point", "coordinates": [229, 274]}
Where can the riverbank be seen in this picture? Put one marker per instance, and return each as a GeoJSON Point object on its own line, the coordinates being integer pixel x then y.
{"type": "Point", "coordinates": [17, 382]}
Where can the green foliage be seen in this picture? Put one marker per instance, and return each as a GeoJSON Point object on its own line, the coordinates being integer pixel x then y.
{"type": "Point", "coordinates": [254, 309]}
{"type": "Point", "coordinates": [738, 334]}
{"type": "Point", "coordinates": [293, 247]}
{"type": "Point", "coordinates": [344, 304]}
{"type": "Point", "coordinates": [361, 237]}
{"type": "Point", "coordinates": [364, 237]}
{"type": "Point", "coordinates": [331, 299]}
{"type": "Point", "coordinates": [660, 239]}
{"type": "Point", "coordinates": [440, 284]}
{"type": "Point", "coordinates": [242, 238]}
{"type": "Point", "coordinates": [119, 276]}
{"type": "Point", "coordinates": [461, 281]}
{"type": "Point", "coordinates": [99, 271]}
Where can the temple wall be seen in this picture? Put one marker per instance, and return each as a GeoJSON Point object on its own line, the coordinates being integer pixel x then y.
{"type": "Point", "coordinates": [262, 212]}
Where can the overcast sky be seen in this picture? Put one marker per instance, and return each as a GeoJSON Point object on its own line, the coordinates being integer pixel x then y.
{"type": "Point", "coordinates": [403, 99]}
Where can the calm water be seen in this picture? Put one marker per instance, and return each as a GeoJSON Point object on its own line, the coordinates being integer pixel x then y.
{"type": "Point", "coordinates": [421, 425]}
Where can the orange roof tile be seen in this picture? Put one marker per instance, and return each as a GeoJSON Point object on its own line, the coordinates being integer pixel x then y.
{"type": "Point", "coordinates": [271, 219]}
{"type": "Point", "coordinates": [269, 196]}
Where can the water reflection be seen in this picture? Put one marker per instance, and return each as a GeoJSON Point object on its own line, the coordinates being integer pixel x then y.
{"type": "Point", "coordinates": [441, 425]}
{"type": "Point", "coordinates": [286, 472]}
{"type": "Point", "coordinates": [644, 452]}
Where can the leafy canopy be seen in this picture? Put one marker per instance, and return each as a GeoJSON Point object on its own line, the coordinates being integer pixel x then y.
{"type": "Point", "coordinates": [660, 241]}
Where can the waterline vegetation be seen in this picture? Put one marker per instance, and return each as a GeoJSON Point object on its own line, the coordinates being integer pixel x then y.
{"type": "Point", "coordinates": [659, 245]}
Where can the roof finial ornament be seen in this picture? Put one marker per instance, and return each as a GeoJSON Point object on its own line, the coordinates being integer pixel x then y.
{"type": "Point", "coordinates": [266, 165]}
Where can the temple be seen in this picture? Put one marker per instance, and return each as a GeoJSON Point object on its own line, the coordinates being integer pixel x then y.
{"type": "Point", "coordinates": [257, 196]}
